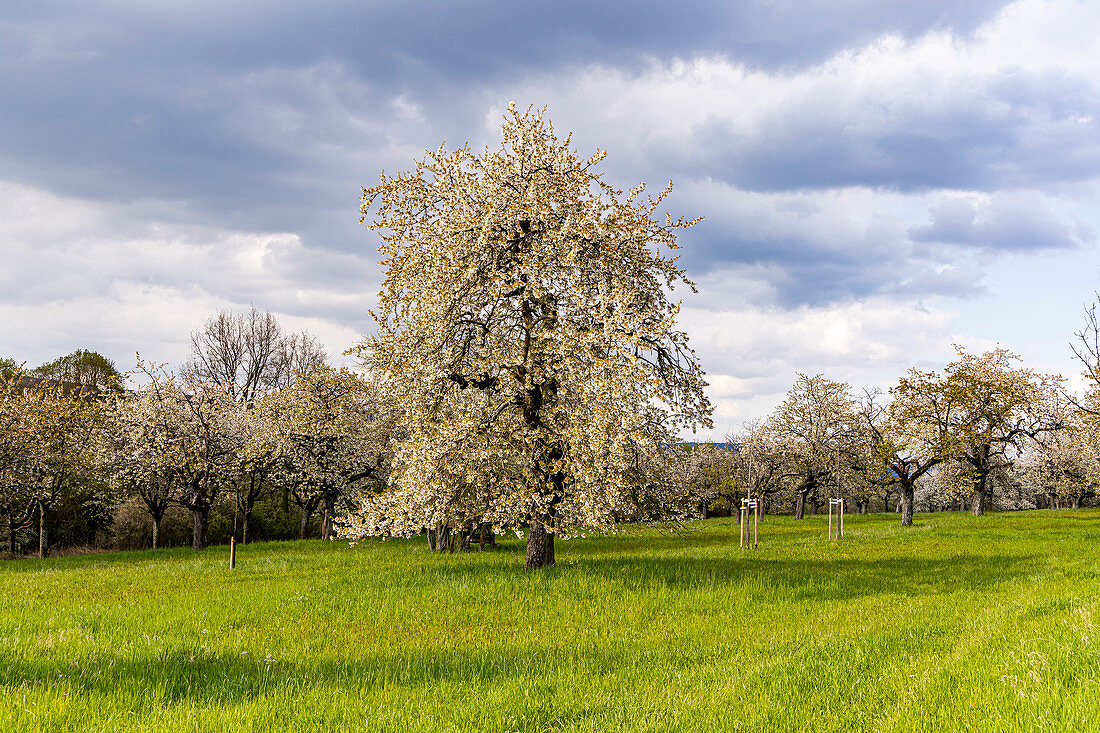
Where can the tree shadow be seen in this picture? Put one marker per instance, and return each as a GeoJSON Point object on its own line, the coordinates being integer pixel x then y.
{"type": "Point", "coordinates": [226, 678]}
{"type": "Point", "coordinates": [824, 579]}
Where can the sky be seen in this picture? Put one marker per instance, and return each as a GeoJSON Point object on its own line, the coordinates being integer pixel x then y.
{"type": "Point", "coordinates": [879, 180]}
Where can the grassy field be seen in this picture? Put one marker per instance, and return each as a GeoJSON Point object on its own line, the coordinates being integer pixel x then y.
{"type": "Point", "coordinates": [958, 623]}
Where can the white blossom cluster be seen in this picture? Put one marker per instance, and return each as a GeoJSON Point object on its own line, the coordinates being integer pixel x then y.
{"type": "Point", "coordinates": [526, 337]}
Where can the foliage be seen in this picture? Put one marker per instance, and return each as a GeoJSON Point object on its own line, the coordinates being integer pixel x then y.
{"type": "Point", "coordinates": [89, 369]}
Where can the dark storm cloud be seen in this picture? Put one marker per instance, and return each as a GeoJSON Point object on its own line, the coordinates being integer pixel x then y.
{"type": "Point", "coordinates": [272, 114]}
{"type": "Point", "coordinates": [1012, 129]}
{"type": "Point", "coordinates": [268, 117]}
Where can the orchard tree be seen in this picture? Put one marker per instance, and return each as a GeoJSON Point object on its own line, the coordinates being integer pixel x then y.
{"type": "Point", "coordinates": [908, 435]}
{"type": "Point", "coordinates": [134, 452]}
{"type": "Point", "coordinates": [255, 449]}
{"type": "Point", "coordinates": [707, 470]}
{"type": "Point", "coordinates": [89, 369]}
{"type": "Point", "coordinates": [524, 327]}
{"type": "Point", "coordinates": [16, 495]}
{"type": "Point", "coordinates": [1065, 464]}
{"type": "Point", "coordinates": [183, 427]}
{"type": "Point", "coordinates": [816, 430]}
{"type": "Point", "coordinates": [52, 458]}
{"type": "Point", "coordinates": [989, 409]}
{"type": "Point", "coordinates": [333, 437]}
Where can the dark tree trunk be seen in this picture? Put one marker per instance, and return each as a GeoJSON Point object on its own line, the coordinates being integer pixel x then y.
{"type": "Point", "coordinates": [907, 506]}
{"type": "Point", "coordinates": [156, 531]}
{"type": "Point", "coordinates": [540, 544]}
{"type": "Point", "coordinates": [326, 524]}
{"type": "Point", "coordinates": [306, 514]}
{"type": "Point", "coordinates": [442, 537]}
{"type": "Point", "coordinates": [43, 540]}
{"type": "Point", "coordinates": [977, 498]}
{"type": "Point", "coordinates": [198, 534]}
{"type": "Point", "coordinates": [244, 526]}
{"type": "Point", "coordinates": [11, 536]}
{"type": "Point", "coordinates": [800, 505]}
{"type": "Point", "coordinates": [486, 537]}
{"type": "Point", "coordinates": [1076, 501]}
{"type": "Point", "coordinates": [462, 541]}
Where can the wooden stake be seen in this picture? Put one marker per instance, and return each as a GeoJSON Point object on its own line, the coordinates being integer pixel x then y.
{"type": "Point", "coordinates": [232, 552]}
{"type": "Point", "coordinates": [830, 520]}
{"type": "Point", "coordinates": [756, 529]}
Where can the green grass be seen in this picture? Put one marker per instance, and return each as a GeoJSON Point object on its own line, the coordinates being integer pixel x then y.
{"type": "Point", "coordinates": [958, 623]}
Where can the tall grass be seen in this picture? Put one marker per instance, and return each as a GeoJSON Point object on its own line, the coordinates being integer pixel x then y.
{"type": "Point", "coordinates": [958, 623]}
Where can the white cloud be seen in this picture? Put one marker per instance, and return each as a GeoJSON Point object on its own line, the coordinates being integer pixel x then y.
{"type": "Point", "coordinates": [83, 274]}
{"type": "Point", "coordinates": [753, 354]}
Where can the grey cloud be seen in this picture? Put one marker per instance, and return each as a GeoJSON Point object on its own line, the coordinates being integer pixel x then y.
{"type": "Point", "coordinates": [268, 114]}
{"type": "Point", "coordinates": [1037, 132]}
{"type": "Point", "coordinates": [1019, 221]}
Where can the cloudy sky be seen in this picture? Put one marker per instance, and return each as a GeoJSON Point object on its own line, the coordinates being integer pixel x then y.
{"type": "Point", "coordinates": [879, 179]}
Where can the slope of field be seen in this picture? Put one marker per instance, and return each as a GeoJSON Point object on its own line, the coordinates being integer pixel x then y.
{"type": "Point", "coordinates": [958, 623]}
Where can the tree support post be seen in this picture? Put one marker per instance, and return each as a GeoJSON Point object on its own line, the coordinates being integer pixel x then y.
{"type": "Point", "coordinates": [232, 552]}
{"type": "Point", "coordinates": [750, 507]}
{"type": "Point", "coordinates": [839, 504]}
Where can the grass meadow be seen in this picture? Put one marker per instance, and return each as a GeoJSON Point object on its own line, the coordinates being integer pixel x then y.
{"type": "Point", "coordinates": [956, 624]}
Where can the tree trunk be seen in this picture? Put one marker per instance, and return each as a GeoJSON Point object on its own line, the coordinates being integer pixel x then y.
{"type": "Point", "coordinates": [540, 544]}
{"type": "Point", "coordinates": [156, 531]}
{"type": "Point", "coordinates": [462, 542]}
{"type": "Point", "coordinates": [907, 506]}
{"type": "Point", "coordinates": [1076, 501]}
{"type": "Point", "coordinates": [800, 505]}
{"type": "Point", "coordinates": [198, 534]}
{"type": "Point", "coordinates": [326, 523]}
{"type": "Point", "coordinates": [244, 526]}
{"type": "Point", "coordinates": [306, 514]}
{"type": "Point", "coordinates": [11, 536]}
{"type": "Point", "coordinates": [977, 498]}
{"type": "Point", "coordinates": [42, 539]}
{"type": "Point", "coordinates": [486, 537]}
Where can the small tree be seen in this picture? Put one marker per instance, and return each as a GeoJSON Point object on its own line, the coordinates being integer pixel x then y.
{"type": "Point", "coordinates": [89, 369]}
{"type": "Point", "coordinates": [996, 409]}
{"type": "Point", "coordinates": [182, 427]}
{"type": "Point", "coordinates": [524, 329]}
{"type": "Point", "coordinates": [333, 438]}
{"type": "Point", "coordinates": [132, 453]}
{"type": "Point", "coordinates": [908, 435]}
{"type": "Point", "coordinates": [816, 430]}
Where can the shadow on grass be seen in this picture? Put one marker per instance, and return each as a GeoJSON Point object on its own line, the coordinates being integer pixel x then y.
{"type": "Point", "coordinates": [825, 579]}
{"type": "Point", "coordinates": [221, 678]}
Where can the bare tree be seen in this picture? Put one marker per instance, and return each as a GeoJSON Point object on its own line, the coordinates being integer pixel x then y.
{"type": "Point", "coordinates": [249, 353]}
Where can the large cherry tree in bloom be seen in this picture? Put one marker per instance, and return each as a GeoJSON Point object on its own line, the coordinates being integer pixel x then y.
{"type": "Point", "coordinates": [526, 331]}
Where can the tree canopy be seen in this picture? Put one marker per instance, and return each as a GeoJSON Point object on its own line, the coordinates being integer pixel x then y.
{"type": "Point", "coordinates": [526, 331]}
